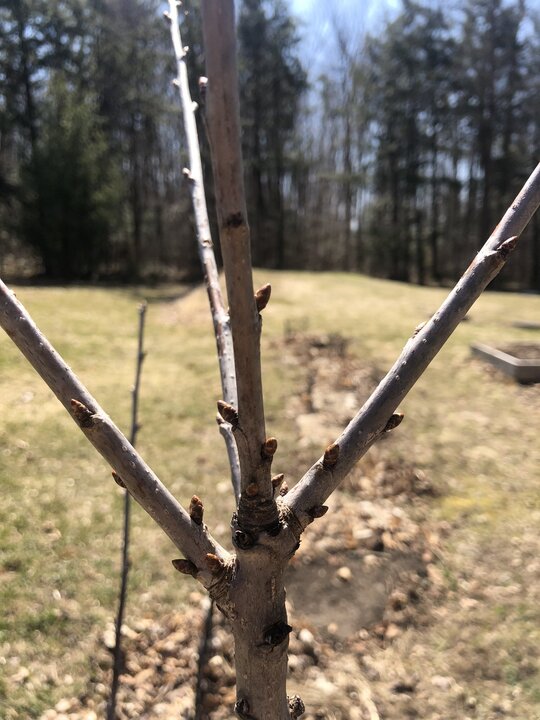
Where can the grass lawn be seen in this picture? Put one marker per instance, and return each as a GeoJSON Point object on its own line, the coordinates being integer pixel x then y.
{"type": "Point", "coordinates": [475, 434]}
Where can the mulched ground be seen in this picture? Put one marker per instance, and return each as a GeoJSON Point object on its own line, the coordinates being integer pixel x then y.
{"type": "Point", "coordinates": [365, 571]}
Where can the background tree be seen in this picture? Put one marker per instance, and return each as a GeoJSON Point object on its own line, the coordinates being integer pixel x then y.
{"type": "Point", "coordinates": [272, 81]}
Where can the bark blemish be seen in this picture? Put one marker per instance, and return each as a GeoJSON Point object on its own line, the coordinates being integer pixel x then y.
{"type": "Point", "coordinates": [235, 220]}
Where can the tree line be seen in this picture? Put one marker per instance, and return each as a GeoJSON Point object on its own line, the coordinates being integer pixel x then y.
{"type": "Point", "coordinates": [394, 156]}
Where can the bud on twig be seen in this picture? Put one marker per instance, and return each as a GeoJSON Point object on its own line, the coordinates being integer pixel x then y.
{"type": "Point", "coordinates": [277, 480]}
{"type": "Point", "coordinates": [284, 489]}
{"type": "Point", "coordinates": [82, 414]}
{"type": "Point", "coordinates": [186, 567]}
{"type": "Point", "coordinates": [269, 448]}
{"type": "Point", "coordinates": [196, 510]}
{"type": "Point", "coordinates": [506, 247]}
{"type": "Point", "coordinates": [228, 413]}
{"type": "Point", "coordinates": [318, 511]}
{"type": "Point", "coordinates": [331, 455]}
{"type": "Point", "coordinates": [262, 297]}
{"type": "Point", "coordinates": [394, 421]}
{"type": "Point", "coordinates": [118, 480]}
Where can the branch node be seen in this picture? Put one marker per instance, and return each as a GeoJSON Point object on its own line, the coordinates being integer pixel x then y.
{"type": "Point", "coordinates": [167, 16]}
{"type": "Point", "coordinates": [395, 420]}
{"type": "Point", "coordinates": [176, 82]}
{"type": "Point", "coordinates": [252, 490]}
{"type": "Point", "coordinates": [196, 510]}
{"type": "Point", "coordinates": [241, 708]}
{"type": "Point", "coordinates": [243, 540]}
{"type": "Point", "coordinates": [228, 413]}
{"type": "Point", "coordinates": [506, 247]}
{"type": "Point", "coordinates": [234, 221]}
{"type": "Point", "coordinates": [215, 565]}
{"type": "Point", "coordinates": [284, 489]}
{"type": "Point", "coordinates": [118, 480]}
{"type": "Point", "coordinates": [262, 297]}
{"type": "Point", "coordinates": [331, 456]}
{"type": "Point", "coordinates": [296, 706]}
{"type": "Point", "coordinates": [186, 567]}
{"type": "Point", "coordinates": [419, 327]}
{"type": "Point", "coordinates": [269, 448]}
{"type": "Point", "coordinates": [275, 634]}
{"type": "Point", "coordinates": [83, 416]}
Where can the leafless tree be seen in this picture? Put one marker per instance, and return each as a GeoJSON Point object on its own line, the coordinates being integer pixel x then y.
{"type": "Point", "coordinates": [247, 582]}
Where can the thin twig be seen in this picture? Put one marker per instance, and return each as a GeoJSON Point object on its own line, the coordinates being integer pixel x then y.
{"type": "Point", "coordinates": [194, 176]}
{"type": "Point", "coordinates": [376, 415]}
{"type": "Point", "coordinates": [131, 471]}
{"type": "Point", "coordinates": [118, 654]}
{"type": "Point", "coordinates": [204, 639]}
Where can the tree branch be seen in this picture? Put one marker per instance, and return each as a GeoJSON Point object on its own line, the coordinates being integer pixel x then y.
{"type": "Point", "coordinates": [194, 175]}
{"type": "Point", "coordinates": [224, 131]}
{"type": "Point", "coordinates": [130, 469]}
{"type": "Point", "coordinates": [376, 415]}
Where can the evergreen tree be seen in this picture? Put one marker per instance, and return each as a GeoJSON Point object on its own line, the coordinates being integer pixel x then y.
{"type": "Point", "coordinates": [70, 191]}
{"type": "Point", "coordinates": [272, 81]}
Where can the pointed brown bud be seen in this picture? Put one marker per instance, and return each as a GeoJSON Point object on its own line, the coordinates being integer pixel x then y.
{"type": "Point", "coordinates": [277, 480]}
{"type": "Point", "coordinates": [252, 490]}
{"type": "Point", "coordinates": [269, 448]}
{"type": "Point", "coordinates": [118, 480]}
{"type": "Point", "coordinates": [82, 414]}
{"type": "Point", "coordinates": [507, 247]}
{"type": "Point", "coordinates": [262, 297]}
{"type": "Point", "coordinates": [196, 510]}
{"type": "Point", "coordinates": [186, 567]}
{"type": "Point", "coordinates": [394, 421]}
{"type": "Point", "coordinates": [318, 511]}
{"type": "Point", "coordinates": [284, 489]}
{"type": "Point", "coordinates": [228, 413]}
{"type": "Point", "coordinates": [331, 455]}
{"type": "Point", "coordinates": [215, 565]}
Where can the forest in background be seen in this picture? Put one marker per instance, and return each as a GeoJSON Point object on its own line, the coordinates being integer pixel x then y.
{"type": "Point", "coordinates": [394, 152]}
